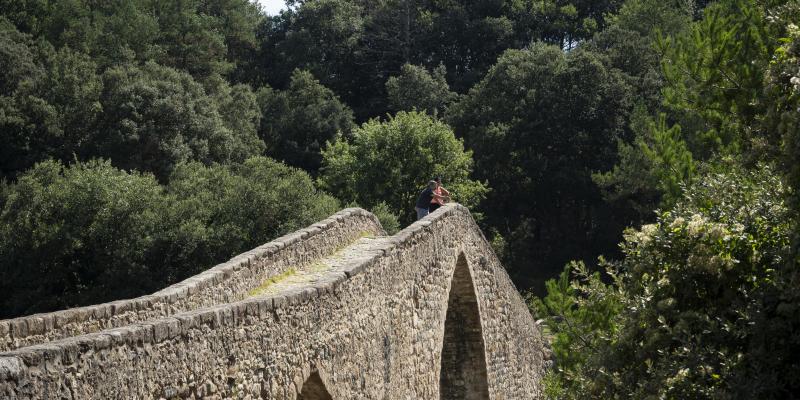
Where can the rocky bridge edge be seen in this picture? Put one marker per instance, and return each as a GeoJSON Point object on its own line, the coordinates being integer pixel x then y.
{"type": "Point", "coordinates": [427, 313]}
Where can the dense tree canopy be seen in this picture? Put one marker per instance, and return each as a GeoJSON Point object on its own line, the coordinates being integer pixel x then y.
{"type": "Point", "coordinates": [417, 89]}
{"type": "Point", "coordinates": [391, 161]}
{"type": "Point", "coordinates": [300, 120]}
{"type": "Point", "coordinates": [78, 234]}
{"type": "Point", "coordinates": [90, 232]}
{"type": "Point", "coordinates": [704, 302]}
{"type": "Point", "coordinates": [49, 98]}
{"type": "Point", "coordinates": [702, 305]}
{"type": "Point", "coordinates": [353, 47]}
{"type": "Point", "coordinates": [200, 37]}
{"type": "Point", "coordinates": [155, 117]}
{"type": "Point", "coordinates": [540, 122]}
{"type": "Point", "coordinates": [716, 77]}
{"type": "Point", "coordinates": [220, 211]}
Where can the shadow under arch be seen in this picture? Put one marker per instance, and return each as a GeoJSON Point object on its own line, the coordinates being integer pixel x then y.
{"type": "Point", "coordinates": [314, 389]}
{"type": "Point", "coordinates": [463, 366]}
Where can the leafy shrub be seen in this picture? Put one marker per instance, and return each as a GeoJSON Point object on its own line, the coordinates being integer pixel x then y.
{"type": "Point", "coordinates": [388, 220]}
{"type": "Point", "coordinates": [702, 306]}
{"type": "Point", "coordinates": [223, 210]}
{"type": "Point", "coordinates": [155, 117]}
{"type": "Point", "coordinates": [89, 233]}
{"type": "Point", "coordinates": [76, 235]}
{"type": "Point", "coordinates": [301, 119]}
{"type": "Point", "coordinates": [416, 88]}
{"type": "Point", "coordinates": [391, 161]}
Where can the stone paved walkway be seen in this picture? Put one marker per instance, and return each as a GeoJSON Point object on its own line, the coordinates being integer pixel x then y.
{"type": "Point", "coordinates": [363, 248]}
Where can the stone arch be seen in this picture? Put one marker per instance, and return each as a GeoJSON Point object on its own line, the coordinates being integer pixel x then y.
{"type": "Point", "coordinates": [314, 389]}
{"type": "Point", "coordinates": [463, 373]}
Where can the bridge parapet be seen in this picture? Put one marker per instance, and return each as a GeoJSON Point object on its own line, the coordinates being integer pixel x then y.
{"type": "Point", "coordinates": [223, 283]}
{"type": "Point", "coordinates": [380, 319]}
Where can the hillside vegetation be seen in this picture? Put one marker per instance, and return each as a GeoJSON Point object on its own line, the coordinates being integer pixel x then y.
{"type": "Point", "coordinates": [652, 147]}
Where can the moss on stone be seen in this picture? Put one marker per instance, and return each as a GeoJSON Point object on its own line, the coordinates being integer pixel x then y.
{"type": "Point", "coordinates": [261, 289]}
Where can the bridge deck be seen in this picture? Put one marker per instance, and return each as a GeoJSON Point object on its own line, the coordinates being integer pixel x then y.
{"type": "Point", "coordinates": [335, 311]}
{"type": "Point", "coordinates": [225, 283]}
{"type": "Point", "coordinates": [327, 268]}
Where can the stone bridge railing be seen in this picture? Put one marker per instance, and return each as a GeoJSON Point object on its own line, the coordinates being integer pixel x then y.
{"type": "Point", "coordinates": [334, 311]}
{"type": "Point", "coordinates": [224, 283]}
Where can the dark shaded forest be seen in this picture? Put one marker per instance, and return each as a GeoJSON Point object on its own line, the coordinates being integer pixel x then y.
{"type": "Point", "coordinates": [649, 146]}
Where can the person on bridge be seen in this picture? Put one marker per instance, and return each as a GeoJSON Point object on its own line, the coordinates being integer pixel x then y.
{"type": "Point", "coordinates": [424, 200]}
{"type": "Point", "coordinates": [441, 191]}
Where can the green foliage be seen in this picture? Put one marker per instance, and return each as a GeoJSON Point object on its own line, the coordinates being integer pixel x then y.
{"type": "Point", "coordinates": [111, 31]}
{"type": "Point", "coordinates": [189, 38]}
{"type": "Point", "coordinates": [321, 37]}
{"type": "Point", "coordinates": [708, 308]}
{"type": "Point", "coordinates": [629, 43]}
{"type": "Point", "coordinates": [223, 210]}
{"type": "Point", "coordinates": [353, 47]}
{"type": "Point", "coordinates": [650, 18]}
{"type": "Point", "coordinates": [631, 184]}
{"type": "Point", "coordinates": [150, 117]}
{"type": "Point", "coordinates": [671, 160]}
{"type": "Point", "coordinates": [90, 233]}
{"type": "Point", "coordinates": [416, 88]}
{"type": "Point", "coordinates": [156, 117]}
{"type": "Point", "coordinates": [783, 93]}
{"type": "Point", "coordinates": [707, 293]}
{"type": "Point", "coordinates": [17, 57]}
{"type": "Point", "coordinates": [389, 221]}
{"type": "Point", "coordinates": [391, 161]}
{"type": "Point", "coordinates": [582, 315]}
{"type": "Point", "coordinates": [567, 23]}
{"type": "Point", "coordinates": [47, 101]}
{"type": "Point", "coordinates": [300, 120]}
{"type": "Point", "coordinates": [540, 122]}
{"type": "Point", "coordinates": [715, 73]}
{"type": "Point", "coordinates": [238, 106]}
{"type": "Point", "coordinates": [652, 171]}
{"type": "Point", "coordinates": [200, 37]}
{"type": "Point", "coordinates": [237, 21]}
{"type": "Point", "coordinates": [78, 235]}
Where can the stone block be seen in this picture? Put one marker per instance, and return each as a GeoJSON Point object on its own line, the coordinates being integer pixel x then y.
{"type": "Point", "coordinates": [35, 325]}
{"type": "Point", "coordinates": [118, 336]}
{"type": "Point", "coordinates": [71, 350]}
{"type": "Point", "coordinates": [188, 321]}
{"type": "Point", "coordinates": [122, 306]}
{"type": "Point", "coordinates": [143, 332]}
{"type": "Point", "coordinates": [61, 319]}
{"type": "Point", "coordinates": [279, 301]}
{"type": "Point", "coordinates": [226, 316]}
{"type": "Point", "coordinates": [101, 341]}
{"type": "Point", "coordinates": [19, 328]}
{"type": "Point", "coordinates": [11, 368]}
{"type": "Point", "coordinates": [252, 307]}
{"type": "Point", "coordinates": [310, 293]}
{"type": "Point", "coordinates": [80, 314]}
{"type": "Point", "coordinates": [265, 305]}
{"type": "Point", "coordinates": [294, 296]}
{"type": "Point", "coordinates": [98, 312]}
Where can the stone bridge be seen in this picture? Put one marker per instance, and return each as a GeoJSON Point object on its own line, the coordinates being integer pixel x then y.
{"type": "Point", "coordinates": [333, 311]}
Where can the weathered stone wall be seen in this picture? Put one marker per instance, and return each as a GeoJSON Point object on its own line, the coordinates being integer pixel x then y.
{"type": "Point", "coordinates": [224, 283]}
{"type": "Point", "coordinates": [371, 325]}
